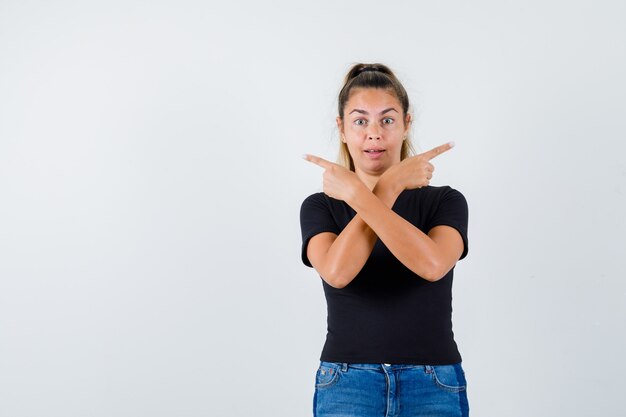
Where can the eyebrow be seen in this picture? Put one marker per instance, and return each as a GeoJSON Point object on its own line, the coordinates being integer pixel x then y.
{"type": "Point", "coordinates": [382, 112]}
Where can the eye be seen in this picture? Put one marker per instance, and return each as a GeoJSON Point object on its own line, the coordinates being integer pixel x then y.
{"type": "Point", "coordinates": [359, 122]}
{"type": "Point", "coordinates": [387, 121]}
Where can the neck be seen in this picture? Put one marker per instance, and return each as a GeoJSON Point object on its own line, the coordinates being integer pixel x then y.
{"type": "Point", "coordinates": [368, 179]}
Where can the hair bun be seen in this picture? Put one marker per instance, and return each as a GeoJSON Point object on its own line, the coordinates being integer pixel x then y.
{"type": "Point", "coordinates": [359, 69]}
{"type": "Point", "coordinates": [367, 68]}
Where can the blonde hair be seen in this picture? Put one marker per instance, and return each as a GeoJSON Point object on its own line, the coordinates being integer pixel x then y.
{"type": "Point", "coordinates": [372, 76]}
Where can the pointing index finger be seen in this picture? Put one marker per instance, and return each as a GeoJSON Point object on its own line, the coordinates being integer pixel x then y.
{"type": "Point", "coordinates": [318, 161]}
{"type": "Point", "coordinates": [438, 150]}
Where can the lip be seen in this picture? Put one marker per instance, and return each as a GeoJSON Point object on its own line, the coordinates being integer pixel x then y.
{"type": "Point", "coordinates": [374, 153]}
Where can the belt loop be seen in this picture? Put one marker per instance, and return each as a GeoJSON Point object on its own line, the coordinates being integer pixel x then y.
{"type": "Point", "coordinates": [344, 367]}
{"type": "Point", "coordinates": [428, 369]}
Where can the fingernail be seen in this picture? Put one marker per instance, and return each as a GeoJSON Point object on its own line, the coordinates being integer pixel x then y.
{"type": "Point", "coordinates": [451, 144]}
{"type": "Point", "coordinates": [304, 156]}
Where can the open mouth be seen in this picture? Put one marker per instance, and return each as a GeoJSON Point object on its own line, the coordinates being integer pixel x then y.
{"type": "Point", "coordinates": [374, 151]}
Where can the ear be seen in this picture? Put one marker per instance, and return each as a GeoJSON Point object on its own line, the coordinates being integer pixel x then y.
{"type": "Point", "coordinates": [340, 128]}
{"type": "Point", "coordinates": [407, 124]}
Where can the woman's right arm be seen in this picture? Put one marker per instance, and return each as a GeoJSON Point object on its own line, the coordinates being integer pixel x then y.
{"type": "Point", "coordinates": [339, 258]}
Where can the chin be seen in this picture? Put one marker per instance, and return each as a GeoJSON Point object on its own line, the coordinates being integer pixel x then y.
{"type": "Point", "coordinates": [374, 168]}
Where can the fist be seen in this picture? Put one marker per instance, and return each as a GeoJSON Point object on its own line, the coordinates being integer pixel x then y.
{"type": "Point", "coordinates": [417, 171]}
{"type": "Point", "coordinates": [339, 183]}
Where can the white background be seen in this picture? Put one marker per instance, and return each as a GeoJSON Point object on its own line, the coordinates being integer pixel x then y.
{"type": "Point", "coordinates": [151, 180]}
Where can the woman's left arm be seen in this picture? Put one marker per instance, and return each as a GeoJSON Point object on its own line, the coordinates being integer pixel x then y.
{"type": "Point", "coordinates": [430, 255]}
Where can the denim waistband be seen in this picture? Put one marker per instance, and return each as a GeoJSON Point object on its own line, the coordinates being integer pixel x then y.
{"type": "Point", "coordinates": [372, 366]}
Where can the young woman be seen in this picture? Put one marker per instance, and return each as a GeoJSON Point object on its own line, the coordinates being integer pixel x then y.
{"type": "Point", "coordinates": [385, 244]}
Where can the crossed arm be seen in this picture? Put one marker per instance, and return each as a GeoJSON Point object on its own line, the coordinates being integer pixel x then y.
{"type": "Point", "coordinates": [339, 258]}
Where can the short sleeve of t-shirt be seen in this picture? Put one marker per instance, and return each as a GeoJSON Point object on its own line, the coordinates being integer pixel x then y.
{"type": "Point", "coordinates": [451, 211]}
{"type": "Point", "coordinates": [315, 218]}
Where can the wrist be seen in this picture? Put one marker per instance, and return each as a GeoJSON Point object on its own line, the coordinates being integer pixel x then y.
{"type": "Point", "coordinates": [357, 193]}
{"type": "Point", "coordinates": [387, 189]}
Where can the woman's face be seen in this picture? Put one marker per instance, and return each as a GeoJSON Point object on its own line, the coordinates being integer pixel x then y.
{"type": "Point", "coordinates": [373, 129]}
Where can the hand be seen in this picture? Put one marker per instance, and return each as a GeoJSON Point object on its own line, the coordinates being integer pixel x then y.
{"type": "Point", "coordinates": [416, 171]}
{"type": "Point", "coordinates": [339, 183]}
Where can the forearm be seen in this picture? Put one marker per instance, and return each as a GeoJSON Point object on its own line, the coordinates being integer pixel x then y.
{"type": "Point", "coordinates": [412, 247]}
{"type": "Point", "coordinates": [352, 247]}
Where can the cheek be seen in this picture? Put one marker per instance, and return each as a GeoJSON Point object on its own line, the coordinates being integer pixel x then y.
{"type": "Point", "coordinates": [351, 139]}
{"type": "Point", "coordinates": [353, 148]}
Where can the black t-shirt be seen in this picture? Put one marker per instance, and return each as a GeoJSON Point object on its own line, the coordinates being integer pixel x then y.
{"type": "Point", "coordinates": [389, 314]}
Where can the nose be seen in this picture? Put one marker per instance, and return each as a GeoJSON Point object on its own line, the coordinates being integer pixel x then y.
{"type": "Point", "coordinates": [373, 132]}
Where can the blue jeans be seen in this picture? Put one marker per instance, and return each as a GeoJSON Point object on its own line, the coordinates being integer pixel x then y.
{"type": "Point", "coordinates": [382, 390]}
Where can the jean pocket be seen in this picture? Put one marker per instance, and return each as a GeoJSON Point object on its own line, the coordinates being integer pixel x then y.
{"type": "Point", "coordinates": [327, 374]}
{"type": "Point", "coordinates": [449, 378]}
